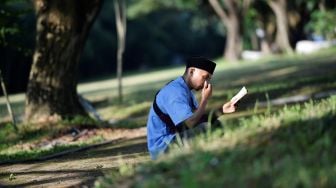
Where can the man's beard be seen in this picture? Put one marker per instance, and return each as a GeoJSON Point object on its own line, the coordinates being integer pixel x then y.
{"type": "Point", "coordinates": [199, 88]}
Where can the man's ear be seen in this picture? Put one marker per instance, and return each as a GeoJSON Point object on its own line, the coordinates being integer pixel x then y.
{"type": "Point", "coordinates": [191, 71]}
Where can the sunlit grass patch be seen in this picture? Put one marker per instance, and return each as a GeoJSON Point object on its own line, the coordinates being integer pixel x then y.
{"type": "Point", "coordinates": [124, 111]}
{"type": "Point", "coordinates": [274, 77]}
{"type": "Point", "coordinates": [36, 140]}
{"type": "Point", "coordinates": [291, 147]}
{"type": "Point", "coordinates": [133, 123]}
{"type": "Point", "coordinates": [17, 108]}
{"type": "Point", "coordinates": [14, 154]}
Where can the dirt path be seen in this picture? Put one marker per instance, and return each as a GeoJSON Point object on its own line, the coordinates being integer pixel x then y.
{"type": "Point", "coordinates": [78, 169]}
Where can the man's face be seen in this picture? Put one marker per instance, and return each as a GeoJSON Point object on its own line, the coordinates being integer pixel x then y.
{"type": "Point", "coordinates": [198, 78]}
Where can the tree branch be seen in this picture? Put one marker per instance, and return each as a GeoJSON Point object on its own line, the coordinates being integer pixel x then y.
{"type": "Point", "coordinates": [219, 10]}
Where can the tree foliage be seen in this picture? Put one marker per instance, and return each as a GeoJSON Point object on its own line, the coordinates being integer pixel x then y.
{"type": "Point", "coordinates": [160, 33]}
{"type": "Point", "coordinates": [139, 8]}
{"type": "Point", "coordinates": [12, 13]}
{"type": "Point", "coordinates": [161, 36]}
{"type": "Point", "coordinates": [16, 42]}
{"type": "Point", "coordinates": [323, 23]}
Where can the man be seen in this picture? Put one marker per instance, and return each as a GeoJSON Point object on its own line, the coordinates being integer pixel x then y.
{"type": "Point", "coordinates": [175, 108]}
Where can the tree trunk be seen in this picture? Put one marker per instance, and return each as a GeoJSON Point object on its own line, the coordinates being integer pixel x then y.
{"type": "Point", "coordinates": [254, 42]}
{"type": "Point", "coordinates": [230, 19]}
{"type": "Point", "coordinates": [233, 40]}
{"type": "Point", "coordinates": [61, 30]}
{"type": "Point", "coordinates": [265, 46]}
{"type": "Point", "coordinates": [120, 14]}
{"type": "Point", "coordinates": [282, 35]}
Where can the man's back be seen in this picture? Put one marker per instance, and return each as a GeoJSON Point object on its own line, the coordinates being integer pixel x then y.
{"type": "Point", "coordinates": [175, 100]}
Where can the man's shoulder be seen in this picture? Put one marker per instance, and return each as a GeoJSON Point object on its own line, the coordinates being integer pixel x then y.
{"type": "Point", "coordinates": [173, 88]}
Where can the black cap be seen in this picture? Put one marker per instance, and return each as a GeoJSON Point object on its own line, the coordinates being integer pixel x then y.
{"type": "Point", "coordinates": [201, 63]}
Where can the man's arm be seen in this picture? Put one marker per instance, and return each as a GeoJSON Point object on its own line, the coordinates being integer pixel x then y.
{"type": "Point", "coordinates": [195, 118]}
{"type": "Point", "coordinates": [227, 108]}
{"type": "Point", "coordinates": [206, 93]}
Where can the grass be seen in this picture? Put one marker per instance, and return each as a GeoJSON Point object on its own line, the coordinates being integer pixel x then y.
{"type": "Point", "coordinates": [23, 145]}
{"type": "Point", "coordinates": [290, 145]}
{"type": "Point", "coordinates": [293, 147]}
{"type": "Point", "coordinates": [34, 154]}
{"type": "Point", "coordinates": [276, 77]}
{"type": "Point", "coordinates": [287, 74]}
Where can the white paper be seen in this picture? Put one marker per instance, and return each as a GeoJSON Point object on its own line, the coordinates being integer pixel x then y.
{"type": "Point", "coordinates": [239, 95]}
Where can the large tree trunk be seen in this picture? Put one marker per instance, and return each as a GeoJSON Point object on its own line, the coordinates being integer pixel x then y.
{"type": "Point", "coordinates": [230, 16]}
{"type": "Point", "coordinates": [282, 36]}
{"type": "Point", "coordinates": [233, 40]}
{"type": "Point", "coordinates": [62, 28]}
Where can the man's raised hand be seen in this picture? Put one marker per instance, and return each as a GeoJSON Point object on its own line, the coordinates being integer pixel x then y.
{"type": "Point", "coordinates": [206, 91]}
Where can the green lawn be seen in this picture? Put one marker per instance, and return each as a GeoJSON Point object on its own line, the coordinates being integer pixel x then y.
{"type": "Point", "coordinates": [266, 80]}
{"type": "Point", "coordinates": [293, 147]}
{"type": "Point", "coordinates": [23, 145]}
{"type": "Point", "coordinates": [288, 145]}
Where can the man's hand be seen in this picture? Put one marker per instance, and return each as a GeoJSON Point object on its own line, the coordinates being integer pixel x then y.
{"type": "Point", "coordinates": [206, 91]}
{"type": "Point", "coordinates": [229, 107]}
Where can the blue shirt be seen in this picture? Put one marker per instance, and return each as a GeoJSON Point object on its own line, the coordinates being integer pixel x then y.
{"type": "Point", "coordinates": [175, 99]}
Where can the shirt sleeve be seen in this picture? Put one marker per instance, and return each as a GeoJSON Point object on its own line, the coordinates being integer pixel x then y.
{"type": "Point", "coordinates": [179, 108]}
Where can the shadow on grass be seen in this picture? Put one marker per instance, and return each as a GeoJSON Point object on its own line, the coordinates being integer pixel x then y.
{"type": "Point", "coordinates": [294, 155]}
{"type": "Point", "coordinates": [269, 72]}
{"type": "Point", "coordinates": [315, 84]}
{"type": "Point", "coordinates": [31, 132]}
{"type": "Point", "coordinates": [125, 149]}
{"type": "Point", "coordinates": [275, 80]}
{"type": "Point", "coordinates": [131, 98]}
{"type": "Point", "coordinates": [86, 177]}
{"type": "Point", "coordinates": [128, 149]}
{"type": "Point", "coordinates": [299, 153]}
{"type": "Point", "coordinates": [288, 83]}
{"type": "Point", "coordinates": [8, 136]}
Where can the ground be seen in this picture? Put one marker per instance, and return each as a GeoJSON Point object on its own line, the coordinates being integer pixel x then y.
{"type": "Point", "coordinates": [78, 169]}
{"type": "Point", "coordinates": [268, 83]}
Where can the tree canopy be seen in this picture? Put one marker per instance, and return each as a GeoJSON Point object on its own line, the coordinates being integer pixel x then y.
{"type": "Point", "coordinates": [159, 33]}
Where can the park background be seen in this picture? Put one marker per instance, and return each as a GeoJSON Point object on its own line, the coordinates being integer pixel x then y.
{"type": "Point", "coordinates": [281, 50]}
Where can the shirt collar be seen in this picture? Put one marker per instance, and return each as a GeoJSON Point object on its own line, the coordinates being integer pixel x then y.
{"type": "Point", "coordinates": [183, 83]}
